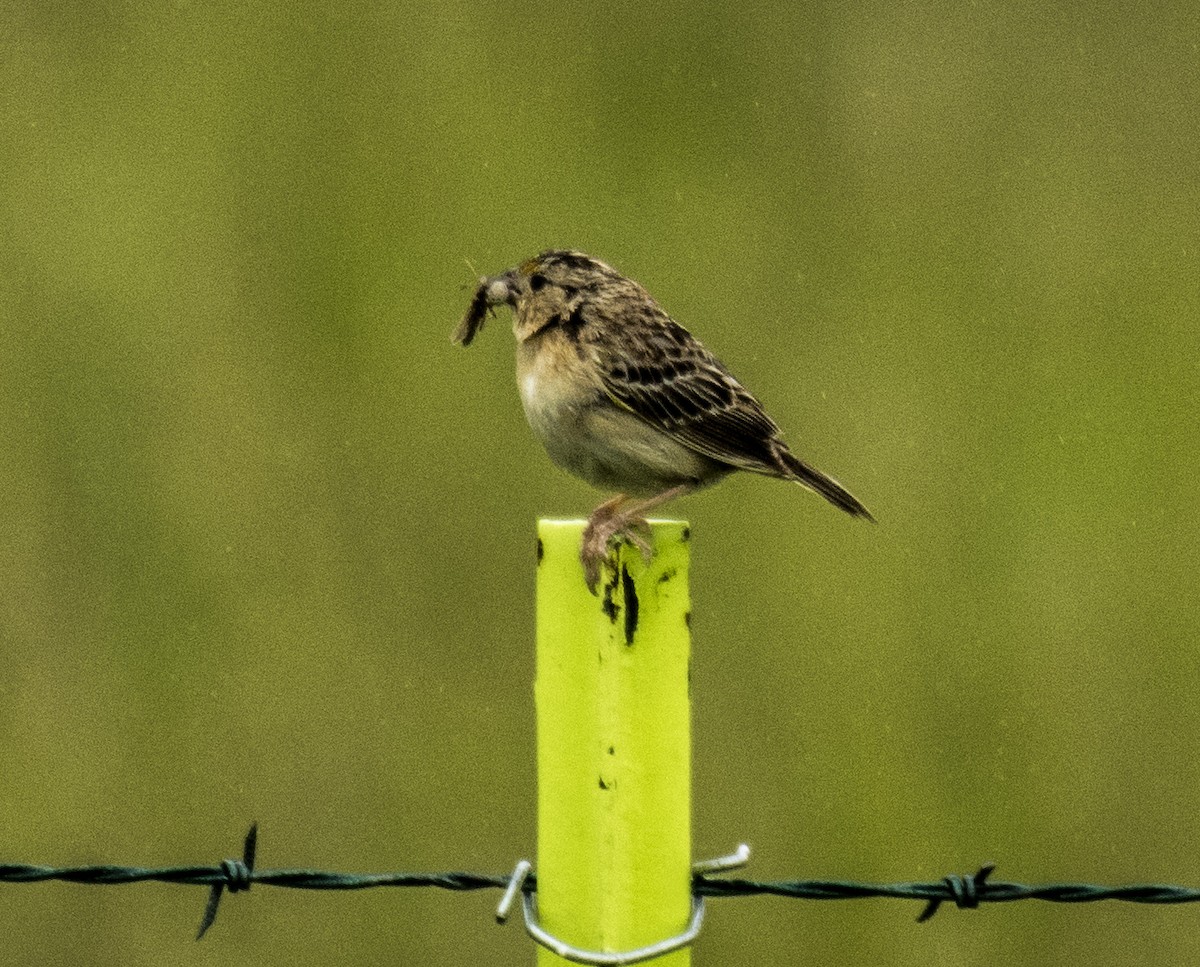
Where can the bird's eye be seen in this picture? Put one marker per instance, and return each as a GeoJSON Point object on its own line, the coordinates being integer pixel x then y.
{"type": "Point", "coordinates": [537, 282]}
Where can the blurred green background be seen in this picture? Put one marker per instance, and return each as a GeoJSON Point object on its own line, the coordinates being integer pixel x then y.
{"type": "Point", "coordinates": [266, 536]}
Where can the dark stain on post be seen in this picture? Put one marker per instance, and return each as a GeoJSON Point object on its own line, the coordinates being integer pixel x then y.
{"type": "Point", "coordinates": [629, 593]}
{"type": "Point", "coordinates": [610, 607]}
{"type": "Point", "coordinates": [541, 550]}
{"type": "Point", "coordinates": [687, 533]}
{"type": "Point", "coordinates": [603, 784]}
{"type": "Point", "coordinates": [687, 619]}
{"type": "Point", "coordinates": [612, 750]}
{"type": "Point", "coordinates": [667, 575]}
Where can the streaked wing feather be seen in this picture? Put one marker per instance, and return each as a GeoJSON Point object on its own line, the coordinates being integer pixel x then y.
{"type": "Point", "coordinates": [675, 384]}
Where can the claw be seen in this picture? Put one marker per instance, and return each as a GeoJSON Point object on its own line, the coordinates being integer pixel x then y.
{"type": "Point", "coordinates": [595, 551]}
{"type": "Point", "coordinates": [638, 533]}
{"type": "Point", "coordinates": [591, 568]}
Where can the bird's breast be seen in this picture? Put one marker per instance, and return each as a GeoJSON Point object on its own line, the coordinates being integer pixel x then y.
{"type": "Point", "coordinates": [555, 385]}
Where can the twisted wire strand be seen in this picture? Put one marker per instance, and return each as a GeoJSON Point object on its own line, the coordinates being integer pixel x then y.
{"type": "Point", "coordinates": [235, 875]}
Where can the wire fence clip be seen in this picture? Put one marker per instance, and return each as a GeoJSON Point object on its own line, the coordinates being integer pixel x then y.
{"type": "Point", "coordinates": [602, 958]}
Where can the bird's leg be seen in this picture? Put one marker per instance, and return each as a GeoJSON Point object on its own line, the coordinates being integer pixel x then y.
{"type": "Point", "coordinates": [596, 535]}
{"type": "Point", "coordinates": [633, 524]}
{"type": "Point", "coordinates": [610, 521]}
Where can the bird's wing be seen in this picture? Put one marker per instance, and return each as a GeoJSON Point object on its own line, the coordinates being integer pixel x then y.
{"type": "Point", "coordinates": [665, 376]}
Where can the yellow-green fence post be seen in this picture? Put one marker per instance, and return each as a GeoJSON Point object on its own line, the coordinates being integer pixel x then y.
{"type": "Point", "coordinates": [614, 745]}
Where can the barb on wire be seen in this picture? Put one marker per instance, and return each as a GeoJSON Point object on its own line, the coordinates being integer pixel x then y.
{"type": "Point", "coordinates": [965, 892]}
{"type": "Point", "coordinates": [964, 889]}
{"type": "Point", "coordinates": [238, 874]}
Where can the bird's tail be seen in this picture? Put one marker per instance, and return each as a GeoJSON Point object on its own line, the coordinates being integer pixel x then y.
{"type": "Point", "coordinates": [796, 469]}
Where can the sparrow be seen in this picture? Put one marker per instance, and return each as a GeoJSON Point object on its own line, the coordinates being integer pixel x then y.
{"type": "Point", "coordinates": [621, 395]}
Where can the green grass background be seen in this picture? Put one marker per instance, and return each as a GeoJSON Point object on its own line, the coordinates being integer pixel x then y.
{"type": "Point", "coordinates": [266, 536]}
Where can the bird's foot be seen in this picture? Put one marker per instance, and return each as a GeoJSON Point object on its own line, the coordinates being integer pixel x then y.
{"type": "Point", "coordinates": [605, 528]}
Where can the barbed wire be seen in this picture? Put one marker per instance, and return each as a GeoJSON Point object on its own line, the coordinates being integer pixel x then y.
{"type": "Point", "coordinates": [235, 875]}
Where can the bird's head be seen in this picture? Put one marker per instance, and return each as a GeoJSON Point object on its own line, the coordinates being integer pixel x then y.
{"type": "Point", "coordinates": [541, 290]}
